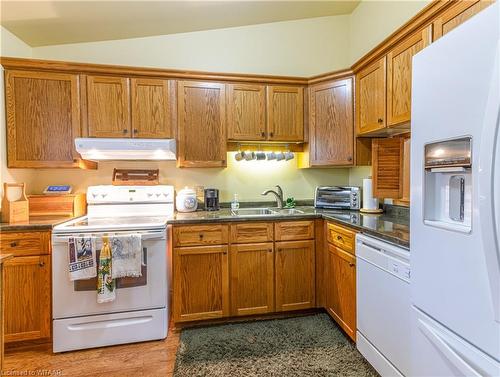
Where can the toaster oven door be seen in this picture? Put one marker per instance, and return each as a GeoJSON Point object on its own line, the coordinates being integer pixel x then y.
{"type": "Point", "coordinates": [333, 198]}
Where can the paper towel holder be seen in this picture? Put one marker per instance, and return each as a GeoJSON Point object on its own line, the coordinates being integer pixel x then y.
{"type": "Point", "coordinates": [367, 186]}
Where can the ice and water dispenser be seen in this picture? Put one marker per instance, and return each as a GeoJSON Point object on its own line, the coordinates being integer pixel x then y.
{"type": "Point", "coordinates": [448, 184]}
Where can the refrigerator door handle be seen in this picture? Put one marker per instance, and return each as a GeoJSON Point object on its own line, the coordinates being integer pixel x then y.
{"type": "Point", "coordinates": [454, 352]}
{"type": "Point", "coordinates": [489, 187]}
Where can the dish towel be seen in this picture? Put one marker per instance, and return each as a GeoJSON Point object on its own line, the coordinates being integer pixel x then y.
{"type": "Point", "coordinates": [126, 253]}
{"type": "Point", "coordinates": [82, 260]}
{"type": "Point", "coordinates": [105, 282]}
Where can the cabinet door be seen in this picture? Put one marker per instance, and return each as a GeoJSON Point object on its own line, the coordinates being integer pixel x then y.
{"type": "Point", "coordinates": [294, 269]}
{"type": "Point", "coordinates": [285, 113]}
{"type": "Point", "coordinates": [387, 169]}
{"type": "Point", "coordinates": [399, 67]}
{"type": "Point", "coordinates": [26, 284]}
{"type": "Point", "coordinates": [202, 124]}
{"type": "Point", "coordinates": [456, 15]}
{"type": "Point", "coordinates": [201, 283]}
{"type": "Point", "coordinates": [341, 289]}
{"type": "Point", "coordinates": [252, 278]}
{"type": "Point", "coordinates": [43, 119]}
{"type": "Point", "coordinates": [151, 108]}
{"type": "Point", "coordinates": [246, 112]}
{"type": "Point", "coordinates": [331, 128]}
{"type": "Point", "coordinates": [370, 97]}
{"type": "Point", "coordinates": [108, 106]}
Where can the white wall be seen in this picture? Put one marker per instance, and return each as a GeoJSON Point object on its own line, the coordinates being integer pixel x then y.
{"type": "Point", "coordinates": [297, 48]}
{"type": "Point", "coordinates": [372, 21]}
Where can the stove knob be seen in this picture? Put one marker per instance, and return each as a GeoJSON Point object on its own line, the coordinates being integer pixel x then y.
{"type": "Point", "coordinates": [104, 195]}
{"type": "Point", "coordinates": [150, 194]}
{"type": "Point", "coordinates": [158, 194]}
{"type": "Point", "coordinates": [94, 196]}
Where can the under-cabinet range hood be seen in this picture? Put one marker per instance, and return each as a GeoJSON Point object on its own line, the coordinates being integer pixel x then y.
{"type": "Point", "coordinates": [97, 149]}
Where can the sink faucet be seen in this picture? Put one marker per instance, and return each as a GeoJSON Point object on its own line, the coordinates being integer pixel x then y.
{"type": "Point", "coordinates": [278, 194]}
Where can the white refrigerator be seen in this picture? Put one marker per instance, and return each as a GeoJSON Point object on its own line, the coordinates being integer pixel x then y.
{"type": "Point", "coordinates": [455, 202]}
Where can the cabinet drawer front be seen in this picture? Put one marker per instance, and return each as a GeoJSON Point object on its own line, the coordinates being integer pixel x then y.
{"type": "Point", "coordinates": [294, 230]}
{"type": "Point", "coordinates": [200, 235]}
{"type": "Point", "coordinates": [25, 243]}
{"type": "Point", "coordinates": [251, 232]}
{"type": "Point", "coordinates": [341, 237]}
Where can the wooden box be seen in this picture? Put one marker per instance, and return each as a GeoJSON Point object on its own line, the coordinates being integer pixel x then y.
{"type": "Point", "coordinates": [15, 211]}
{"type": "Point", "coordinates": [70, 205]}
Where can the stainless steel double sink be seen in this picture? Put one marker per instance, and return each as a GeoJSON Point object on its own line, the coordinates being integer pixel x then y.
{"type": "Point", "coordinates": [265, 211]}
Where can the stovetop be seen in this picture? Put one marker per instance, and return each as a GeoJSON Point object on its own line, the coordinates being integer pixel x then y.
{"type": "Point", "coordinates": [90, 224]}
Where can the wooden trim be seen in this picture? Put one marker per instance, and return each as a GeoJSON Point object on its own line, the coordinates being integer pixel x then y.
{"type": "Point", "coordinates": [330, 76]}
{"type": "Point", "coordinates": [106, 69]}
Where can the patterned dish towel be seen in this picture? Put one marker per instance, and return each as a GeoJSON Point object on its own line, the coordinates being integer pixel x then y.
{"type": "Point", "coordinates": [105, 282]}
{"type": "Point", "coordinates": [82, 260]}
{"type": "Point", "coordinates": [126, 252]}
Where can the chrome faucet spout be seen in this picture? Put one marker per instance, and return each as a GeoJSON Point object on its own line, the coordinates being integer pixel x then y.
{"type": "Point", "coordinates": [278, 194]}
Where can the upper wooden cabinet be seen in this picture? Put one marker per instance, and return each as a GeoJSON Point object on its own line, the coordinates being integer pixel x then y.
{"type": "Point", "coordinates": [151, 108]}
{"type": "Point", "coordinates": [371, 97]}
{"type": "Point", "coordinates": [43, 118]}
{"type": "Point", "coordinates": [460, 12]}
{"type": "Point", "coordinates": [246, 112]}
{"type": "Point", "coordinates": [285, 113]}
{"type": "Point", "coordinates": [399, 68]}
{"type": "Point", "coordinates": [108, 106]}
{"type": "Point", "coordinates": [202, 124]}
{"type": "Point", "coordinates": [387, 167]}
{"type": "Point", "coordinates": [331, 128]}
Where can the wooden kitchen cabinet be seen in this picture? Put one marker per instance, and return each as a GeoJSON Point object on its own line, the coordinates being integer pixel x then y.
{"type": "Point", "coordinates": [202, 124]}
{"type": "Point", "coordinates": [285, 113]}
{"type": "Point", "coordinates": [294, 275]}
{"type": "Point", "coordinates": [387, 168]}
{"type": "Point", "coordinates": [108, 106]}
{"type": "Point", "coordinates": [457, 14]}
{"type": "Point", "coordinates": [201, 283]}
{"type": "Point", "coordinates": [331, 127]}
{"type": "Point", "coordinates": [371, 97]}
{"type": "Point", "coordinates": [246, 112]}
{"type": "Point", "coordinates": [27, 286]}
{"type": "Point", "coordinates": [151, 108]}
{"type": "Point", "coordinates": [399, 68]}
{"type": "Point", "coordinates": [341, 289]}
{"type": "Point", "coordinates": [252, 278]}
{"type": "Point", "coordinates": [43, 118]}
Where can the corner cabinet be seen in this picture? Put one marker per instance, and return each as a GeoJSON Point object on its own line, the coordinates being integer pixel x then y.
{"type": "Point", "coordinates": [43, 118]}
{"type": "Point", "coordinates": [331, 127]}
{"type": "Point", "coordinates": [285, 113]}
{"type": "Point", "coordinates": [202, 124]}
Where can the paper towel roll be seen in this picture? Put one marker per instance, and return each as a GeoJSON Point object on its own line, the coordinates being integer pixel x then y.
{"type": "Point", "coordinates": [369, 202]}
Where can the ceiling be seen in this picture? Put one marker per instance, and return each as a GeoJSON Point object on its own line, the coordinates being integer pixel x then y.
{"type": "Point", "coordinates": [41, 23]}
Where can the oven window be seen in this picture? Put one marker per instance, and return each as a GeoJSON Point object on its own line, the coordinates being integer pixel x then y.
{"type": "Point", "coordinates": [126, 282]}
{"type": "Point", "coordinates": [335, 197]}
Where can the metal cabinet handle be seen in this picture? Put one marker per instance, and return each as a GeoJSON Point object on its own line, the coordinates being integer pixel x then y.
{"type": "Point", "coordinates": [271, 134]}
{"type": "Point", "coordinates": [349, 158]}
{"type": "Point", "coordinates": [136, 130]}
{"type": "Point", "coordinates": [351, 264]}
{"type": "Point", "coordinates": [125, 131]}
{"type": "Point", "coordinates": [13, 244]}
{"type": "Point", "coordinates": [380, 120]}
{"type": "Point", "coordinates": [41, 264]}
{"type": "Point", "coordinates": [263, 134]}
{"type": "Point", "coordinates": [201, 236]}
{"type": "Point", "coordinates": [339, 238]}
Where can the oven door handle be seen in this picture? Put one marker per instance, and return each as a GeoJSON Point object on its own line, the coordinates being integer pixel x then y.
{"type": "Point", "coordinates": [146, 236]}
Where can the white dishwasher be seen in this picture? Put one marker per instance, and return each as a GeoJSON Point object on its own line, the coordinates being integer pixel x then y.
{"type": "Point", "coordinates": [383, 305]}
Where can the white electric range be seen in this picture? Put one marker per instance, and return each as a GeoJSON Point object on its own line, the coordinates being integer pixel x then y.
{"type": "Point", "coordinates": [140, 310]}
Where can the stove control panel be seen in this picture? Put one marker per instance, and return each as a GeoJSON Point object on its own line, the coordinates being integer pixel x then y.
{"type": "Point", "coordinates": [130, 194]}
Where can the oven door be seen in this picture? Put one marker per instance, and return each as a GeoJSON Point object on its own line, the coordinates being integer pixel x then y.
{"type": "Point", "coordinates": [78, 298]}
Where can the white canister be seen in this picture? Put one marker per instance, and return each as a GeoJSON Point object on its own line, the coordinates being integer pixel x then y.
{"type": "Point", "coordinates": [185, 201]}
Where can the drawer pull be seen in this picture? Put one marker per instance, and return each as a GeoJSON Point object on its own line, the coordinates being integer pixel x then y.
{"type": "Point", "coordinates": [201, 236]}
{"type": "Point", "coordinates": [13, 244]}
{"type": "Point", "coordinates": [339, 238]}
{"type": "Point", "coordinates": [41, 264]}
{"type": "Point", "coordinates": [351, 264]}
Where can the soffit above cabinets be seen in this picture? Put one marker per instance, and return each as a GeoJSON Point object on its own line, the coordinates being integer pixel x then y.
{"type": "Point", "coordinates": [41, 23]}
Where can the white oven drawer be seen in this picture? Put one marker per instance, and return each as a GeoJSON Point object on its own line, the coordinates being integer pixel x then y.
{"type": "Point", "coordinates": [109, 329]}
{"type": "Point", "coordinates": [68, 301]}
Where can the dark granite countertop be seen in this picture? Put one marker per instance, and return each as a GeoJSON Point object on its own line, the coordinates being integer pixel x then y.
{"type": "Point", "coordinates": [388, 227]}
{"type": "Point", "coordinates": [34, 223]}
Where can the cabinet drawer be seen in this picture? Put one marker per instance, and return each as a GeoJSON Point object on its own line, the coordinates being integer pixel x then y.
{"type": "Point", "coordinates": [341, 237]}
{"type": "Point", "coordinates": [25, 243]}
{"type": "Point", "coordinates": [251, 232]}
{"type": "Point", "coordinates": [294, 230]}
{"type": "Point", "coordinates": [194, 235]}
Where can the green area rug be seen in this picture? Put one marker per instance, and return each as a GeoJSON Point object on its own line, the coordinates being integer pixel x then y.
{"type": "Point", "coordinates": [302, 346]}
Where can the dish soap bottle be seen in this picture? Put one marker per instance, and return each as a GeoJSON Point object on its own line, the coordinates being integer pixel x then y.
{"type": "Point", "coordinates": [235, 204]}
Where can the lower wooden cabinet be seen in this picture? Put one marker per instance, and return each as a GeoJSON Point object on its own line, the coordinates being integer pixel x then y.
{"type": "Point", "coordinates": [201, 283]}
{"type": "Point", "coordinates": [341, 288]}
{"type": "Point", "coordinates": [252, 278]}
{"type": "Point", "coordinates": [27, 295]}
{"type": "Point", "coordinates": [294, 275]}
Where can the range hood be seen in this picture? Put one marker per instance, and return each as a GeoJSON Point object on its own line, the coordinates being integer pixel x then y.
{"type": "Point", "coordinates": [96, 149]}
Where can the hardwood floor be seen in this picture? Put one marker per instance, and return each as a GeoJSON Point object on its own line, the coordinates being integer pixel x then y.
{"type": "Point", "coordinates": [148, 359]}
